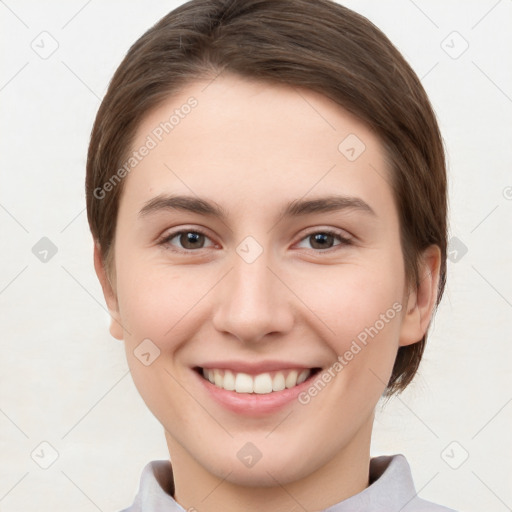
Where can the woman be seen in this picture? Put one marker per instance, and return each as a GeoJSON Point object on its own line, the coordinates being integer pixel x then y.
{"type": "Point", "coordinates": [266, 189]}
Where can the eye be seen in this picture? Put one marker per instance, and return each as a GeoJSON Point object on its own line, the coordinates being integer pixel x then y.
{"type": "Point", "coordinates": [323, 239]}
{"type": "Point", "coordinates": [189, 239]}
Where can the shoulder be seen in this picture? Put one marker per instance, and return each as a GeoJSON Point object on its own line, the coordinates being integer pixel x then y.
{"type": "Point", "coordinates": [391, 474]}
{"type": "Point", "coordinates": [156, 489]}
{"type": "Point", "coordinates": [420, 505]}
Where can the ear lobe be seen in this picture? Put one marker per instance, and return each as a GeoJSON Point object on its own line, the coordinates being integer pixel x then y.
{"type": "Point", "coordinates": [421, 302]}
{"type": "Point", "coordinates": [109, 294]}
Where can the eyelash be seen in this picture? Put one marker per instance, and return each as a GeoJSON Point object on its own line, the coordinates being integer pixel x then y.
{"type": "Point", "coordinates": [165, 241]}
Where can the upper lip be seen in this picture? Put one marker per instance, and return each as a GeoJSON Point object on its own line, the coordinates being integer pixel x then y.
{"type": "Point", "coordinates": [255, 368]}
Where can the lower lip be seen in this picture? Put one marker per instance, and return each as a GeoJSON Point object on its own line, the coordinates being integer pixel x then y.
{"type": "Point", "coordinates": [254, 404]}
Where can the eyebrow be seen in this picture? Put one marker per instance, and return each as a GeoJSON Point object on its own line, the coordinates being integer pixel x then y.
{"type": "Point", "coordinates": [294, 208]}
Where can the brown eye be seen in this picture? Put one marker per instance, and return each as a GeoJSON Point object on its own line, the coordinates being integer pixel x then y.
{"type": "Point", "coordinates": [325, 239]}
{"type": "Point", "coordinates": [188, 240]}
{"type": "Point", "coordinates": [321, 240]}
{"type": "Point", "coordinates": [191, 240]}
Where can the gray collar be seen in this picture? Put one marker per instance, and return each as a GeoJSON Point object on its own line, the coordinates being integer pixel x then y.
{"type": "Point", "coordinates": [391, 490]}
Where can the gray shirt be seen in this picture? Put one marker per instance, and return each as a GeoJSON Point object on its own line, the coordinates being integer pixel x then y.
{"type": "Point", "coordinates": [391, 489]}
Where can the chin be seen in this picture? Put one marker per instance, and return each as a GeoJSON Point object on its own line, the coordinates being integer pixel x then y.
{"type": "Point", "coordinates": [268, 471]}
{"type": "Point", "coordinates": [261, 475]}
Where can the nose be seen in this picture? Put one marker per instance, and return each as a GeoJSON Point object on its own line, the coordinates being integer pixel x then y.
{"type": "Point", "coordinates": [252, 301]}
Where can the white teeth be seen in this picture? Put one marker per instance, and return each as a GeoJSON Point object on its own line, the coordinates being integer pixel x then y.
{"type": "Point", "coordinates": [229, 381]}
{"type": "Point", "coordinates": [243, 383]}
{"type": "Point", "coordinates": [218, 380]}
{"type": "Point", "coordinates": [262, 383]}
{"type": "Point", "coordinates": [291, 380]}
{"type": "Point", "coordinates": [278, 383]}
{"type": "Point", "coordinates": [303, 375]}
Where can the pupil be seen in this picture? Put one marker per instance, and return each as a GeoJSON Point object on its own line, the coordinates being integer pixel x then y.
{"type": "Point", "coordinates": [321, 238]}
{"type": "Point", "coordinates": [192, 237]}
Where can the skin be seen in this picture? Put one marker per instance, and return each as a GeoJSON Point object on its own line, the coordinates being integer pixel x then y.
{"type": "Point", "coordinates": [245, 145]}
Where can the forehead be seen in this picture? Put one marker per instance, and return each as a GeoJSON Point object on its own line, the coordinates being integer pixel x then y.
{"type": "Point", "coordinates": [247, 142]}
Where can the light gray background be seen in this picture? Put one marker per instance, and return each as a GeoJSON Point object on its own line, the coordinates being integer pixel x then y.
{"type": "Point", "coordinates": [65, 381]}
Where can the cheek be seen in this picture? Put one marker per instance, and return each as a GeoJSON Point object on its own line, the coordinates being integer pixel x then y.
{"type": "Point", "coordinates": [157, 300]}
{"type": "Point", "coordinates": [153, 300]}
{"type": "Point", "coordinates": [159, 386]}
{"type": "Point", "coordinates": [360, 309]}
{"type": "Point", "coordinates": [154, 305]}
{"type": "Point", "coordinates": [350, 298]}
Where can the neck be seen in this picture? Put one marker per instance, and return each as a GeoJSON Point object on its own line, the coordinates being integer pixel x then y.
{"type": "Point", "coordinates": [343, 476]}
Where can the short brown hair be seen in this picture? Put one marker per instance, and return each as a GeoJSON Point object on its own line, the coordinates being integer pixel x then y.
{"type": "Point", "coordinates": [319, 45]}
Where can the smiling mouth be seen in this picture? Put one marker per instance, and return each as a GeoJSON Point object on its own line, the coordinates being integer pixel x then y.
{"type": "Point", "coordinates": [262, 383]}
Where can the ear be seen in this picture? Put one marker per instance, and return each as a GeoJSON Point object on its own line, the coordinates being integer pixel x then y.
{"type": "Point", "coordinates": [116, 329]}
{"type": "Point", "coordinates": [421, 302]}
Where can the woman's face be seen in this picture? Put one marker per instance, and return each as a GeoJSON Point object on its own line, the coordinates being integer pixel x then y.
{"type": "Point", "coordinates": [303, 269]}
